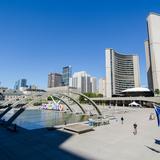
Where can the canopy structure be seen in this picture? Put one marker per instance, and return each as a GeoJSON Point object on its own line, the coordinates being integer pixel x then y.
{"type": "Point", "coordinates": [134, 104]}
{"type": "Point", "coordinates": [138, 89]}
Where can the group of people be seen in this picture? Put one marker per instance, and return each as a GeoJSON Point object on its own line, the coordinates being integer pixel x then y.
{"type": "Point", "coordinates": [134, 126]}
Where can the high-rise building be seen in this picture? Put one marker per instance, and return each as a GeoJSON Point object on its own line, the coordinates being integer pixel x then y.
{"type": "Point", "coordinates": [102, 86]}
{"type": "Point", "coordinates": [22, 83]}
{"type": "Point", "coordinates": [93, 84]}
{"type": "Point", "coordinates": [81, 81]}
{"type": "Point", "coordinates": [122, 72]}
{"type": "Point", "coordinates": [16, 85]}
{"type": "Point", "coordinates": [66, 75]}
{"type": "Point", "coordinates": [54, 80]}
{"type": "Point", "coordinates": [152, 47]}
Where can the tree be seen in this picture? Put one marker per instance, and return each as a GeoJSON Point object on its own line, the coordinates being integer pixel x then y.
{"type": "Point", "coordinates": [100, 95]}
{"type": "Point", "coordinates": [90, 95]}
{"type": "Point", "coordinates": [37, 104]}
{"type": "Point", "coordinates": [157, 91]}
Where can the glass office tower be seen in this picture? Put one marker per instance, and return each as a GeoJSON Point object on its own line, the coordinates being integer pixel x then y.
{"type": "Point", "coordinates": [66, 75]}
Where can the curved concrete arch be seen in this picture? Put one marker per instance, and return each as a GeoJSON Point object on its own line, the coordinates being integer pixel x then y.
{"type": "Point", "coordinates": [73, 101]}
{"type": "Point", "coordinates": [92, 102]}
{"type": "Point", "coordinates": [52, 99]}
{"type": "Point", "coordinates": [63, 102]}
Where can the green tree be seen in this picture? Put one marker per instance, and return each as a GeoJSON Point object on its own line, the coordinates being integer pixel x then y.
{"type": "Point", "coordinates": [157, 91]}
{"type": "Point", "coordinates": [100, 95]}
{"type": "Point", "coordinates": [90, 95]}
{"type": "Point", "coordinates": [37, 103]}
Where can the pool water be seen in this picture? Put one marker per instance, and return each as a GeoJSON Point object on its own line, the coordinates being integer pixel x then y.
{"type": "Point", "coordinates": [34, 119]}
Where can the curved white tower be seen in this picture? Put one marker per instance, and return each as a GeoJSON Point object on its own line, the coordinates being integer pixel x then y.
{"type": "Point", "coordinates": [122, 72]}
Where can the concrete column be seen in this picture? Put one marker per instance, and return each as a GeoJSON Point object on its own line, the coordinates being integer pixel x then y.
{"type": "Point", "coordinates": [110, 105]}
{"type": "Point", "coordinates": [116, 103]}
{"type": "Point", "coordinates": [123, 104]}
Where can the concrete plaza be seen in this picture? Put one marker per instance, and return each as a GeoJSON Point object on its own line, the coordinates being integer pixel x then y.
{"type": "Point", "coordinates": [115, 141]}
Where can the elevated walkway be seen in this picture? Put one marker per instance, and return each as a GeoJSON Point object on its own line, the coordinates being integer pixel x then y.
{"type": "Point", "coordinates": [145, 99]}
{"type": "Point", "coordinates": [5, 106]}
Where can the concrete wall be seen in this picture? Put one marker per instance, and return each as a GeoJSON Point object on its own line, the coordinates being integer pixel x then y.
{"type": "Point", "coordinates": [153, 21]}
{"type": "Point", "coordinates": [148, 65]}
{"type": "Point", "coordinates": [136, 71]}
{"type": "Point", "coordinates": [108, 73]}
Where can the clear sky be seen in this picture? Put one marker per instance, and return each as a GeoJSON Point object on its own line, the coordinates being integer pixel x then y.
{"type": "Point", "coordinates": [42, 36]}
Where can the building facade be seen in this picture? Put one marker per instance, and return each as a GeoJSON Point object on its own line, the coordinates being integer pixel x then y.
{"type": "Point", "coordinates": [102, 86]}
{"type": "Point", "coordinates": [81, 81]}
{"type": "Point", "coordinates": [152, 47]}
{"type": "Point", "coordinates": [93, 84]}
{"type": "Point", "coordinates": [122, 72]}
{"type": "Point", "coordinates": [66, 75]}
{"type": "Point", "coordinates": [54, 80]}
{"type": "Point", "coordinates": [11, 94]}
{"type": "Point", "coordinates": [22, 83]}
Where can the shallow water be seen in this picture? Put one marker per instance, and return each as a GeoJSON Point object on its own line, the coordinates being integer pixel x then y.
{"type": "Point", "coordinates": [34, 119]}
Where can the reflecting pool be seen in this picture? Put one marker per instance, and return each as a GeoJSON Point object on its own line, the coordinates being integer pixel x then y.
{"type": "Point", "coordinates": [34, 119]}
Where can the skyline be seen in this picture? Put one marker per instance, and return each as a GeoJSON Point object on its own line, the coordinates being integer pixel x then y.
{"type": "Point", "coordinates": [39, 37]}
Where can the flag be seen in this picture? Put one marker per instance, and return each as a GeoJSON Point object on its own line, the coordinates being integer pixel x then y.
{"type": "Point", "coordinates": [157, 110]}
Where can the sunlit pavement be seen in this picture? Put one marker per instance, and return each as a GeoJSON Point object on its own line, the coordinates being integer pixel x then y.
{"type": "Point", "coordinates": [116, 141]}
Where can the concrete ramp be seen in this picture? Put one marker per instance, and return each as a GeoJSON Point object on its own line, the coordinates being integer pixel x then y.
{"type": "Point", "coordinates": [78, 128]}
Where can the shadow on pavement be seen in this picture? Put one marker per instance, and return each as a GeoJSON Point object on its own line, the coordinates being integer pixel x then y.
{"type": "Point", "coordinates": [155, 150]}
{"type": "Point", "coordinates": [157, 141]}
{"type": "Point", "coordinates": [39, 144]}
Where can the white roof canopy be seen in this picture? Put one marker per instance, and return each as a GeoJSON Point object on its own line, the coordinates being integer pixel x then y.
{"type": "Point", "coordinates": [138, 89]}
{"type": "Point", "coordinates": [134, 104]}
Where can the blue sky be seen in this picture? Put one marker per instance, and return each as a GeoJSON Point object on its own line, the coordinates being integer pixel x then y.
{"type": "Point", "coordinates": [42, 36]}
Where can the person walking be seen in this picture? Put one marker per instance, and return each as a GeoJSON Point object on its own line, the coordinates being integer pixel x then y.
{"type": "Point", "coordinates": [135, 128]}
{"type": "Point", "coordinates": [122, 119]}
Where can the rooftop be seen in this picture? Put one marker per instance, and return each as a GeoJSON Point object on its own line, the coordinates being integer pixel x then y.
{"type": "Point", "coordinates": [138, 89]}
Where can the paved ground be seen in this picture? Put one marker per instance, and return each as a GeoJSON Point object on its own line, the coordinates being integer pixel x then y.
{"type": "Point", "coordinates": [117, 142]}
{"type": "Point", "coordinates": [110, 142]}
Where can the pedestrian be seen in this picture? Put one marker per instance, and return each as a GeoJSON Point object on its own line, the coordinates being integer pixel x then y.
{"type": "Point", "coordinates": [122, 119]}
{"type": "Point", "coordinates": [135, 128]}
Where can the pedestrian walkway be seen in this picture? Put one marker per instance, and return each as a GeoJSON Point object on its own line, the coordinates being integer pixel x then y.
{"type": "Point", "coordinates": [114, 141]}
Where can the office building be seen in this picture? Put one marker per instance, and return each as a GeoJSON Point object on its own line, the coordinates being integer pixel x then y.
{"type": "Point", "coordinates": [122, 72]}
{"type": "Point", "coordinates": [11, 94]}
{"type": "Point", "coordinates": [81, 81]}
{"type": "Point", "coordinates": [22, 83]}
{"type": "Point", "coordinates": [93, 84]}
{"type": "Point", "coordinates": [66, 75]}
{"type": "Point", "coordinates": [102, 86]}
{"type": "Point", "coordinates": [152, 47]}
{"type": "Point", "coordinates": [54, 80]}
